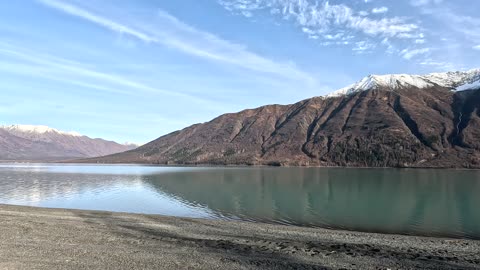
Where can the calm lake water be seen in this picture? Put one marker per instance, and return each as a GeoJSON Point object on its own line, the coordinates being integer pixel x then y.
{"type": "Point", "coordinates": [424, 202]}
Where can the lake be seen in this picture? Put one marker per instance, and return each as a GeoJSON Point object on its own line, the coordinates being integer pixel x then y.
{"type": "Point", "coordinates": [404, 201]}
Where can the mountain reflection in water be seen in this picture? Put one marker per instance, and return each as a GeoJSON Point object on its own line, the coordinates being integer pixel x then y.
{"type": "Point", "coordinates": [426, 202]}
{"type": "Point", "coordinates": [437, 202]}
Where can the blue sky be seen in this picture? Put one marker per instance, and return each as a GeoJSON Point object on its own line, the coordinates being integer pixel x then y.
{"type": "Point", "coordinates": [135, 70]}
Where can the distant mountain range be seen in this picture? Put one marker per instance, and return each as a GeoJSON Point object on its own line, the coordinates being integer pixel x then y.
{"type": "Point", "coordinates": [382, 121]}
{"type": "Point", "coordinates": [41, 143]}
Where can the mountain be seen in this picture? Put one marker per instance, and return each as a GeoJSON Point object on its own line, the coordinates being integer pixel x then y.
{"type": "Point", "coordinates": [41, 143]}
{"type": "Point", "coordinates": [395, 120]}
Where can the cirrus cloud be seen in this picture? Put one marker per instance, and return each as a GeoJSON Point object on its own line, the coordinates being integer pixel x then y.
{"type": "Point", "coordinates": [380, 10]}
{"type": "Point", "coordinates": [325, 17]}
{"type": "Point", "coordinates": [173, 33]}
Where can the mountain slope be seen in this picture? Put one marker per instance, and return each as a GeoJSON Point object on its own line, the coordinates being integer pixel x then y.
{"type": "Point", "coordinates": [37, 143]}
{"type": "Point", "coordinates": [391, 120]}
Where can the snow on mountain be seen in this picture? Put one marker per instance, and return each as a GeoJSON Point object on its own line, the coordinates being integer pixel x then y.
{"type": "Point", "coordinates": [457, 81]}
{"type": "Point", "coordinates": [37, 129]}
{"type": "Point", "coordinates": [469, 86]}
{"type": "Point", "coordinates": [132, 144]}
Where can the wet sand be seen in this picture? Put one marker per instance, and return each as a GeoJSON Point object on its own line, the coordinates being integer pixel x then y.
{"type": "Point", "coordinates": [38, 238]}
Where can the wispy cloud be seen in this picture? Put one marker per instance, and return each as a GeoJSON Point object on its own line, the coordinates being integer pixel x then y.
{"type": "Point", "coordinates": [324, 17]}
{"type": "Point", "coordinates": [380, 10]}
{"type": "Point", "coordinates": [476, 47]}
{"type": "Point", "coordinates": [418, 3]}
{"type": "Point", "coordinates": [82, 13]}
{"type": "Point", "coordinates": [65, 70]}
{"type": "Point", "coordinates": [363, 47]}
{"type": "Point", "coordinates": [390, 47]}
{"type": "Point", "coordinates": [468, 26]}
{"type": "Point", "coordinates": [173, 33]}
{"type": "Point", "coordinates": [455, 21]}
{"type": "Point", "coordinates": [452, 20]}
{"type": "Point", "coordinates": [363, 13]}
{"type": "Point", "coordinates": [411, 53]}
{"type": "Point", "coordinates": [336, 24]}
{"type": "Point", "coordinates": [440, 65]}
{"type": "Point", "coordinates": [58, 76]}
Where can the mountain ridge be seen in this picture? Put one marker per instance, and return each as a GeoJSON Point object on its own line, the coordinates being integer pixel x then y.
{"type": "Point", "coordinates": [42, 143]}
{"type": "Point", "coordinates": [376, 125]}
{"type": "Point", "coordinates": [458, 80]}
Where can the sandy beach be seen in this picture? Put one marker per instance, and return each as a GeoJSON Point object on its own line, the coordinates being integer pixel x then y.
{"type": "Point", "coordinates": [38, 238]}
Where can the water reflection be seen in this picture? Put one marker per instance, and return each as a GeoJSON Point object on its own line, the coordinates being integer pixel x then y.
{"type": "Point", "coordinates": [438, 202]}
{"type": "Point", "coordinates": [106, 188]}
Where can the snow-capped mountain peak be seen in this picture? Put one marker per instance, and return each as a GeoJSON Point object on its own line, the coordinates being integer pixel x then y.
{"type": "Point", "coordinates": [456, 81]}
{"type": "Point", "coordinates": [38, 130]}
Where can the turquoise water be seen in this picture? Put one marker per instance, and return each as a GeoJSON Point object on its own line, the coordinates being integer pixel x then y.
{"type": "Point", "coordinates": [420, 202]}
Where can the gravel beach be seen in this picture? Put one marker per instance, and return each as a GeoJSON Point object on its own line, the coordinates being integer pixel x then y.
{"type": "Point", "coordinates": [39, 238]}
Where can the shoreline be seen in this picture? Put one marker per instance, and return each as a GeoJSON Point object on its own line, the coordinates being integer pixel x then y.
{"type": "Point", "coordinates": [207, 165]}
{"type": "Point", "coordinates": [41, 238]}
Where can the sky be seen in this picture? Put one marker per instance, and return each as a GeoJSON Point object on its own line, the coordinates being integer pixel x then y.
{"type": "Point", "coordinates": [133, 70]}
